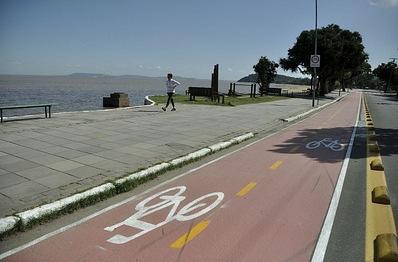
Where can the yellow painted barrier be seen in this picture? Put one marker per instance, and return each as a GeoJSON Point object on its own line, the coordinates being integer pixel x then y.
{"type": "Point", "coordinates": [381, 235]}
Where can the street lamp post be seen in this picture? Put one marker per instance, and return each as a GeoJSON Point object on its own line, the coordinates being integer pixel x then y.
{"type": "Point", "coordinates": [397, 86]}
{"type": "Point", "coordinates": [316, 50]}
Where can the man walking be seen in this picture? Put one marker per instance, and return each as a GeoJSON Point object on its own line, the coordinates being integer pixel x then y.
{"type": "Point", "coordinates": [171, 85]}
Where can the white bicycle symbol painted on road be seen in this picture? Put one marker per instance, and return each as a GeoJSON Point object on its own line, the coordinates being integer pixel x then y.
{"type": "Point", "coordinates": [145, 208]}
{"type": "Point", "coordinates": [326, 142]}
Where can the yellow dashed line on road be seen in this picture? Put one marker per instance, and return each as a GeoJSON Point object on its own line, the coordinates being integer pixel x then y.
{"type": "Point", "coordinates": [246, 189]}
{"type": "Point", "coordinates": [202, 225]}
{"type": "Point", "coordinates": [196, 230]}
{"type": "Point", "coordinates": [276, 164]}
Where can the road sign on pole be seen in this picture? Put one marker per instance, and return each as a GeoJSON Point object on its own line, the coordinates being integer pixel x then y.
{"type": "Point", "coordinates": [315, 61]}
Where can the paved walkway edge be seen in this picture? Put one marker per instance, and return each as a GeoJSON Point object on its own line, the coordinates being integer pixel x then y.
{"type": "Point", "coordinates": [23, 220]}
{"type": "Point", "coordinates": [148, 101]}
{"type": "Point", "coordinates": [290, 119]}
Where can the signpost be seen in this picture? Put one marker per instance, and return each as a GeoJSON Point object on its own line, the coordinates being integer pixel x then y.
{"type": "Point", "coordinates": [315, 61]}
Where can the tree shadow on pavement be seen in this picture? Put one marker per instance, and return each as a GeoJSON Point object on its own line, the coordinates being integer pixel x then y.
{"type": "Point", "coordinates": [391, 97]}
{"type": "Point", "coordinates": [335, 143]}
{"type": "Point", "coordinates": [387, 139]}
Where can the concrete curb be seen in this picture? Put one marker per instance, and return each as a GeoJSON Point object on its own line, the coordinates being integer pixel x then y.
{"type": "Point", "coordinates": [41, 211]}
{"type": "Point", "coordinates": [191, 156]}
{"type": "Point", "coordinates": [220, 146]}
{"type": "Point", "coordinates": [148, 101]}
{"type": "Point", "coordinates": [290, 119]}
{"type": "Point", "coordinates": [7, 224]}
{"type": "Point", "coordinates": [146, 172]}
{"type": "Point", "coordinates": [26, 218]}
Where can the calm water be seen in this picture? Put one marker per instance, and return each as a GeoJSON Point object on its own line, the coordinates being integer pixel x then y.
{"type": "Point", "coordinates": [72, 93]}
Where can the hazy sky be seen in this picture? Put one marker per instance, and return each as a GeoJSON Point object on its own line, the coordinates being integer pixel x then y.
{"type": "Point", "coordinates": [186, 37]}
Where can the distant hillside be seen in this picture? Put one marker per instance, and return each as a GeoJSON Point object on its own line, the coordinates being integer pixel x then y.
{"type": "Point", "coordinates": [94, 75]}
{"type": "Point", "coordinates": [279, 79]}
{"type": "Point", "coordinates": [86, 75]}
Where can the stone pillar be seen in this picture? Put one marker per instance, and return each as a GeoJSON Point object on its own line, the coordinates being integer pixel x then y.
{"type": "Point", "coordinates": [116, 100]}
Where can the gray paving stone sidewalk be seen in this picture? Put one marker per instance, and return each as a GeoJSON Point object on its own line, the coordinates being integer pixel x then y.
{"type": "Point", "coordinates": [42, 160]}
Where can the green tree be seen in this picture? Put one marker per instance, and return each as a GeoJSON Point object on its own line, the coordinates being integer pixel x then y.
{"type": "Point", "coordinates": [388, 73]}
{"type": "Point", "coordinates": [342, 55]}
{"type": "Point", "coordinates": [266, 72]}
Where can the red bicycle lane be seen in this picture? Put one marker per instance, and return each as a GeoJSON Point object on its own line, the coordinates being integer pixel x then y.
{"type": "Point", "coordinates": [265, 202]}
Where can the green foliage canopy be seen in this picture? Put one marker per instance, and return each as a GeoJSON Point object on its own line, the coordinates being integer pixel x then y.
{"type": "Point", "coordinates": [266, 72]}
{"type": "Point", "coordinates": [279, 79]}
{"type": "Point", "coordinates": [388, 73]}
{"type": "Point", "coordinates": [342, 54]}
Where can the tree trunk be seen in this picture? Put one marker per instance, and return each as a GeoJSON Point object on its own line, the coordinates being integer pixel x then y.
{"type": "Point", "coordinates": [324, 87]}
{"type": "Point", "coordinates": [312, 83]}
{"type": "Point", "coordinates": [260, 89]}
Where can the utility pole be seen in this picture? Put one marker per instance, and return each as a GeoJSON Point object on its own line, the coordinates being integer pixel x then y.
{"type": "Point", "coordinates": [397, 86]}
{"type": "Point", "coordinates": [316, 61]}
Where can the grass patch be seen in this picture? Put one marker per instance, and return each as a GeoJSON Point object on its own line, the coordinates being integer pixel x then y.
{"type": "Point", "coordinates": [68, 209]}
{"type": "Point", "coordinates": [229, 100]}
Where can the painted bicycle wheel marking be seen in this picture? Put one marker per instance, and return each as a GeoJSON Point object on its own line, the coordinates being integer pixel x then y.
{"type": "Point", "coordinates": [167, 200]}
{"type": "Point", "coordinates": [326, 142]}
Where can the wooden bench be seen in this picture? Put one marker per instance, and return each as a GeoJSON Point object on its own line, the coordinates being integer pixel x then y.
{"type": "Point", "coordinates": [277, 91]}
{"type": "Point", "coordinates": [232, 89]}
{"type": "Point", "coordinates": [27, 106]}
{"type": "Point", "coordinates": [285, 92]}
{"type": "Point", "coordinates": [204, 91]}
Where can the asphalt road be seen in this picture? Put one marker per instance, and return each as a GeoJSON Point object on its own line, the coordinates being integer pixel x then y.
{"type": "Point", "coordinates": [347, 240]}
{"type": "Point", "coordinates": [265, 202]}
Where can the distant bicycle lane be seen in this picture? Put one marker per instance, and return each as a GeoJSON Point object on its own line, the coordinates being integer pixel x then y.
{"type": "Point", "coordinates": [267, 200]}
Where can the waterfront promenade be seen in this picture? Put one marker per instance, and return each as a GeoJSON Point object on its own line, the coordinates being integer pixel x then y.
{"type": "Point", "coordinates": [42, 160]}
